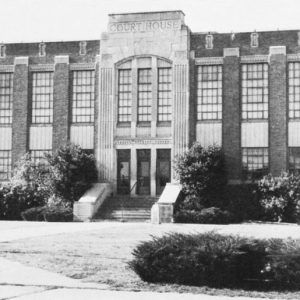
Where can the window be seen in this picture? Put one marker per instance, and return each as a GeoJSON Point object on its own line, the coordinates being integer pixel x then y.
{"type": "Point", "coordinates": [6, 91]}
{"type": "Point", "coordinates": [82, 48]}
{"type": "Point", "coordinates": [294, 159]}
{"type": "Point", "coordinates": [254, 39]}
{"type": "Point", "coordinates": [164, 95]}
{"type": "Point", "coordinates": [209, 41]}
{"type": "Point", "coordinates": [255, 162]}
{"type": "Point", "coordinates": [2, 51]}
{"type": "Point", "coordinates": [209, 93]}
{"type": "Point", "coordinates": [294, 90]}
{"type": "Point", "coordinates": [83, 96]}
{"type": "Point", "coordinates": [254, 91]}
{"type": "Point", "coordinates": [144, 95]}
{"type": "Point", "coordinates": [38, 156]}
{"type": "Point", "coordinates": [42, 98]}
{"type": "Point", "coordinates": [5, 164]}
{"type": "Point", "coordinates": [42, 49]}
{"type": "Point", "coordinates": [124, 95]}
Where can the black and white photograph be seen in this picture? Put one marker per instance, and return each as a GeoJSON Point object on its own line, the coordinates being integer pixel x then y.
{"type": "Point", "coordinates": [149, 150]}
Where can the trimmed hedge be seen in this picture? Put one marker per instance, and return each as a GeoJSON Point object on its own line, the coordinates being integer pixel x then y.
{"type": "Point", "coordinates": [211, 259]}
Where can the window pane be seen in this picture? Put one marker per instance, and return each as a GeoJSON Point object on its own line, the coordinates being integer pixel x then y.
{"type": "Point", "coordinates": [124, 96]}
{"type": "Point", "coordinates": [83, 96]}
{"type": "Point", "coordinates": [5, 164]}
{"type": "Point", "coordinates": [6, 90]}
{"type": "Point", "coordinates": [294, 90]}
{"type": "Point", "coordinates": [164, 95]}
{"type": "Point", "coordinates": [38, 156]}
{"type": "Point", "coordinates": [144, 95]}
{"type": "Point", "coordinates": [294, 159]}
{"type": "Point", "coordinates": [209, 93]}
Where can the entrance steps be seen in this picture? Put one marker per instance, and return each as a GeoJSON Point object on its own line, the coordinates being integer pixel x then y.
{"type": "Point", "coordinates": [125, 208]}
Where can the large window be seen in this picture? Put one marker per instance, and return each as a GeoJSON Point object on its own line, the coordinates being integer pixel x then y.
{"type": "Point", "coordinates": [83, 96]}
{"type": "Point", "coordinates": [255, 162]}
{"type": "Point", "coordinates": [294, 90]}
{"type": "Point", "coordinates": [124, 95]}
{"type": "Point", "coordinates": [42, 97]}
{"type": "Point", "coordinates": [255, 91]}
{"type": "Point", "coordinates": [38, 156]}
{"type": "Point", "coordinates": [164, 95]}
{"type": "Point", "coordinates": [294, 159]}
{"type": "Point", "coordinates": [209, 93]}
{"type": "Point", "coordinates": [6, 90]}
{"type": "Point", "coordinates": [144, 95]}
{"type": "Point", "coordinates": [5, 164]}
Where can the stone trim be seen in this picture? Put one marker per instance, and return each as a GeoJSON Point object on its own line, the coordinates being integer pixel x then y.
{"type": "Point", "coordinates": [126, 142]}
{"type": "Point", "coordinates": [6, 69]}
{"type": "Point", "coordinates": [45, 67]}
{"type": "Point", "coordinates": [293, 57]}
{"type": "Point", "coordinates": [209, 61]}
{"type": "Point", "coordinates": [231, 52]}
{"type": "Point", "coordinates": [277, 50]}
{"type": "Point", "coordinates": [21, 60]}
{"type": "Point", "coordinates": [61, 59]}
{"type": "Point", "coordinates": [84, 66]}
{"type": "Point", "coordinates": [254, 59]}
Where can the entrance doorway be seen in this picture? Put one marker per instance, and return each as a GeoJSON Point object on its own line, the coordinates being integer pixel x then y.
{"type": "Point", "coordinates": [163, 169]}
{"type": "Point", "coordinates": [123, 169]}
{"type": "Point", "coordinates": [143, 171]}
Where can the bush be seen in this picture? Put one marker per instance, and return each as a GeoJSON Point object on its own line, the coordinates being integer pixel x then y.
{"type": "Point", "coordinates": [280, 197]}
{"type": "Point", "coordinates": [201, 172]}
{"type": "Point", "coordinates": [34, 214]}
{"type": "Point", "coordinates": [211, 215]}
{"type": "Point", "coordinates": [58, 214]}
{"type": "Point", "coordinates": [219, 261]}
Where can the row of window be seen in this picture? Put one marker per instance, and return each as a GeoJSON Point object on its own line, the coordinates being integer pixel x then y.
{"type": "Point", "coordinates": [254, 91]}
{"type": "Point", "coordinates": [82, 96]}
{"type": "Point", "coordinates": [145, 95]}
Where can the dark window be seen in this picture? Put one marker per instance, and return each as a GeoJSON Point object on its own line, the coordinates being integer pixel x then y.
{"type": "Point", "coordinates": [82, 48]}
{"type": "Point", "coordinates": [2, 51]}
{"type": "Point", "coordinates": [6, 90]}
{"type": "Point", "coordinates": [83, 96]}
{"type": "Point", "coordinates": [42, 49]}
{"type": "Point", "coordinates": [254, 39]}
{"type": "Point", "coordinates": [42, 97]}
{"type": "Point", "coordinates": [255, 91]}
{"type": "Point", "coordinates": [124, 96]}
{"type": "Point", "coordinates": [164, 95]}
{"type": "Point", "coordinates": [294, 159]}
{"type": "Point", "coordinates": [144, 95]}
{"type": "Point", "coordinates": [294, 90]}
{"type": "Point", "coordinates": [255, 162]}
{"type": "Point", "coordinates": [5, 164]}
{"type": "Point", "coordinates": [209, 93]}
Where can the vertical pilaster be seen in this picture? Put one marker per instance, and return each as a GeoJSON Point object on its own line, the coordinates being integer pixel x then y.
{"type": "Point", "coordinates": [278, 110]}
{"type": "Point", "coordinates": [134, 105]}
{"type": "Point", "coordinates": [133, 170]}
{"type": "Point", "coordinates": [20, 109]}
{"type": "Point", "coordinates": [231, 129]}
{"type": "Point", "coordinates": [60, 102]}
{"type": "Point", "coordinates": [154, 96]}
{"type": "Point", "coordinates": [153, 172]}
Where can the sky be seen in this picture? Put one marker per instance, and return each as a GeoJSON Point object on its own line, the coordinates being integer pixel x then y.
{"type": "Point", "coordinates": [65, 20]}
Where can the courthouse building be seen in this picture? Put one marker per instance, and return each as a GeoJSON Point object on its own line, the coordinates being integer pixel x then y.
{"type": "Point", "coordinates": [147, 90]}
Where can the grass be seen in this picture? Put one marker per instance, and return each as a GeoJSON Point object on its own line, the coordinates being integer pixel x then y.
{"type": "Point", "coordinates": [101, 256]}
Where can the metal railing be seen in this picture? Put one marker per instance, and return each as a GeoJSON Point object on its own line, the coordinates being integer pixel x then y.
{"type": "Point", "coordinates": [129, 197]}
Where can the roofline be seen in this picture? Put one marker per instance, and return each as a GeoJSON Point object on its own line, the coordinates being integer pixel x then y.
{"type": "Point", "coordinates": [146, 12]}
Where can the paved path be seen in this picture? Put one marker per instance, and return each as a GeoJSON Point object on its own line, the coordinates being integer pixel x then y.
{"type": "Point", "coordinates": [27, 283]}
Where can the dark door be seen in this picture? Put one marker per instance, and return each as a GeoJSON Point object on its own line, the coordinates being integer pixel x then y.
{"type": "Point", "coordinates": [123, 168]}
{"type": "Point", "coordinates": [163, 169]}
{"type": "Point", "coordinates": [143, 171]}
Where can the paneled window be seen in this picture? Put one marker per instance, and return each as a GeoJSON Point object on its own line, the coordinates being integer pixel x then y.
{"type": "Point", "coordinates": [255, 162]}
{"type": "Point", "coordinates": [83, 96]}
{"type": "Point", "coordinates": [164, 95]}
{"type": "Point", "coordinates": [254, 39]}
{"type": "Point", "coordinates": [38, 156]}
{"type": "Point", "coordinates": [2, 51]}
{"type": "Point", "coordinates": [124, 95]}
{"type": "Point", "coordinates": [294, 159]}
{"type": "Point", "coordinates": [5, 164]}
{"type": "Point", "coordinates": [144, 95]}
{"type": "Point", "coordinates": [209, 41]}
{"type": "Point", "coordinates": [82, 48]}
{"type": "Point", "coordinates": [42, 49]}
{"type": "Point", "coordinates": [6, 90]}
{"type": "Point", "coordinates": [255, 91]}
{"type": "Point", "coordinates": [42, 97]}
{"type": "Point", "coordinates": [294, 90]}
{"type": "Point", "coordinates": [209, 93]}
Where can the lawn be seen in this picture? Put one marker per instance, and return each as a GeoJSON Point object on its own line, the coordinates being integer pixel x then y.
{"type": "Point", "coordinates": [102, 255]}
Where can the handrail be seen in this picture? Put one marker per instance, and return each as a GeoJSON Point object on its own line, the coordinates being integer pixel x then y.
{"type": "Point", "coordinates": [132, 188]}
{"type": "Point", "coordinates": [129, 197]}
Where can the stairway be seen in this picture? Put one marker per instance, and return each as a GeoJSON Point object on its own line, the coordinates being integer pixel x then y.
{"type": "Point", "coordinates": [123, 208]}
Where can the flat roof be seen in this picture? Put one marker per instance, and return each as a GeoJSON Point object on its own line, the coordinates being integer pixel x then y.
{"type": "Point", "coordinates": [147, 12]}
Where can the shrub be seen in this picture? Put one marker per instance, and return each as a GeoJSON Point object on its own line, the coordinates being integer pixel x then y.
{"type": "Point", "coordinates": [211, 215]}
{"type": "Point", "coordinates": [203, 259]}
{"type": "Point", "coordinates": [220, 261]}
{"type": "Point", "coordinates": [280, 197]}
{"type": "Point", "coordinates": [34, 214]}
{"type": "Point", "coordinates": [58, 214]}
{"type": "Point", "coordinates": [201, 172]}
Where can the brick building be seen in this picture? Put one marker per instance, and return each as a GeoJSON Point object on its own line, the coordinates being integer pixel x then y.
{"type": "Point", "coordinates": [146, 91]}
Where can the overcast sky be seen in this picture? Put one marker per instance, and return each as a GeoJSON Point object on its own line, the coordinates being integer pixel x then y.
{"type": "Point", "coordinates": [50, 20]}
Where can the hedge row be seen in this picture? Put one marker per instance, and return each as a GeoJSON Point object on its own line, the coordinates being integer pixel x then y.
{"type": "Point", "coordinates": [214, 260]}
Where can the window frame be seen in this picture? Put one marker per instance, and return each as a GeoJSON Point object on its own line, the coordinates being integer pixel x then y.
{"type": "Point", "coordinates": [294, 85]}
{"type": "Point", "coordinates": [6, 95]}
{"type": "Point", "coordinates": [7, 165]}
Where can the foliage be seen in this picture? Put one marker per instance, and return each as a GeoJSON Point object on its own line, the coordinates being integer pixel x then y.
{"type": "Point", "coordinates": [280, 197]}
{"type": "Point", "coordinates": [220, 261]}
{"type": "Point", "coordinates": [211, 215]}
{"type": "Point", "coordinates": [58, 214]}
{"type": "Point", "coordinates": [72, 172]}
{"type": "Point", "coordinates": [34, 214]}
